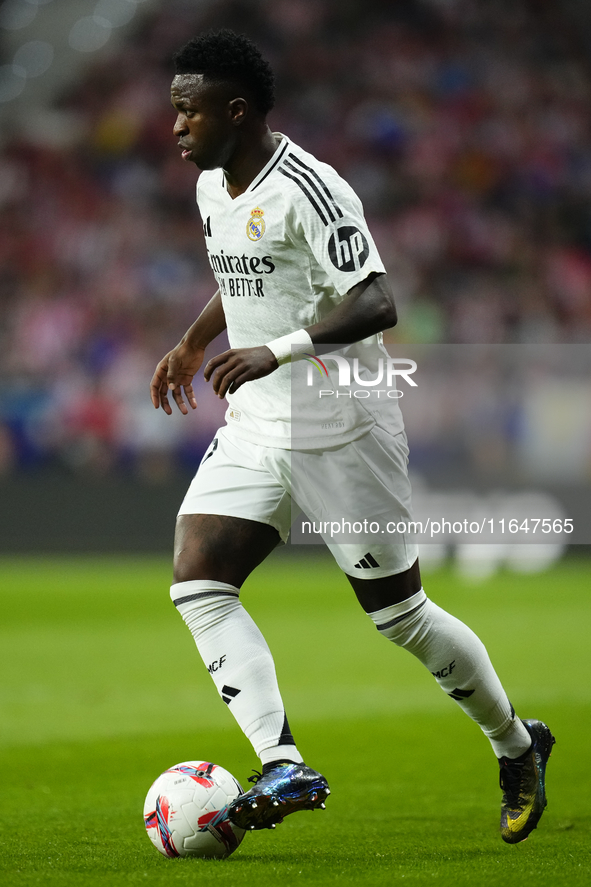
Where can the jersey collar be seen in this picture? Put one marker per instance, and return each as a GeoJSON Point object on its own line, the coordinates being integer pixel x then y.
{"type": "Point", "coordinates": [282, 145]}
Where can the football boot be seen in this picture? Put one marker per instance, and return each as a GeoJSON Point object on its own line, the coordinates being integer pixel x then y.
{"type": "Point", "coordinates": [523, 781]}
{"type": "Point", "coordinates": [285, 788]}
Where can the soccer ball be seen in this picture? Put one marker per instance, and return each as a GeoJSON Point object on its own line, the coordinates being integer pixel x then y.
{"type": "Point", "coordinates": [185, 811]}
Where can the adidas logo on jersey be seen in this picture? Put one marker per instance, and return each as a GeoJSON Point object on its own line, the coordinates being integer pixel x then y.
{"type": "Point", "coordinates": [367, 562]}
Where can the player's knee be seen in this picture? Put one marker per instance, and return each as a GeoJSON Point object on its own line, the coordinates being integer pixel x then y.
{"type": "Point", "coordinates": [189, 566]}
{"type": "Point", "coordinates": [218, 547]}
{"type": "Point", "coordinates": [197, 554]}
{"type": "Point", "coordinates": [203, 563]}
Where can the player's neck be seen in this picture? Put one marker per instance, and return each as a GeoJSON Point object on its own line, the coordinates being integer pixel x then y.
{"type": "Point", "coordinates": [246, 163]}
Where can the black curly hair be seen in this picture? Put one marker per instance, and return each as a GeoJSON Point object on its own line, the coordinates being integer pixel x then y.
{"type": "Point", "coordinates": [227, 56]}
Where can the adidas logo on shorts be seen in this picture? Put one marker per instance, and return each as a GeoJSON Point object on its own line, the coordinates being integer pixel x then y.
{"type": "Point", "coordinates": [367, 562]}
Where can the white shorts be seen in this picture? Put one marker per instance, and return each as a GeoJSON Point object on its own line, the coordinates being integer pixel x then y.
{"type": "Point", "coordinates": [358, 484]}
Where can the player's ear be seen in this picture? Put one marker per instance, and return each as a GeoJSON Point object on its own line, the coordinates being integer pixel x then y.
{"type": "Point", "coordinates": [238, 111]}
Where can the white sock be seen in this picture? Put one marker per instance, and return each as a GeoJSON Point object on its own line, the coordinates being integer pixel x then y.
{"type": "Point", "coordinates": [458, 661]}
{"type": "Point", "coordinates": [238, 659]}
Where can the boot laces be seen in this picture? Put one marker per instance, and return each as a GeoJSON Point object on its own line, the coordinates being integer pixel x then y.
{"type": "Point", "coordinates": [512, 783]}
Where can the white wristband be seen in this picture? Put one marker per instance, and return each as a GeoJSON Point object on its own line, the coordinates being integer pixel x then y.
{"type": "Point", "coordinates": [291, 347]}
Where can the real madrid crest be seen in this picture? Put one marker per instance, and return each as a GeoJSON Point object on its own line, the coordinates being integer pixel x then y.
{"type": "Point", "coordinates": [255, 227]}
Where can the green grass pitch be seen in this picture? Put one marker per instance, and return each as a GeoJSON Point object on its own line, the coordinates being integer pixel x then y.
{"type": "Point", "coordinates": [102, 689]}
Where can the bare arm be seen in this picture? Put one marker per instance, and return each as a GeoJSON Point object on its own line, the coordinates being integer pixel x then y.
{"type": "Point", "coordinates": [176, 370]}
{"type": "Point", "coordinates": [368, 308]}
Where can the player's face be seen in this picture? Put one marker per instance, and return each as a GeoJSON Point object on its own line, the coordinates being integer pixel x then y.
{"type": "Point", "coordinates": [205, 124]}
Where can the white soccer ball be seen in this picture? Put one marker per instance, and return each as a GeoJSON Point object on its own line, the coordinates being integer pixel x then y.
{"type": "Point", "coordinates": [185, 811]}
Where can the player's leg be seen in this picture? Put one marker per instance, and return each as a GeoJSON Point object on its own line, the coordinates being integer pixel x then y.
{"type": "Point", "coordinates": [387, 582]}
{"type": "Point", "coordinates": [454, 655]}
{"type": "Point", "coordinates": [461, 666]}
{"type": "Point", "coordinates": [214, 554]}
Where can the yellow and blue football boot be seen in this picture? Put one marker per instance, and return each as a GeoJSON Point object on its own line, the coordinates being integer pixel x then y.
{"type": "Point", "coordinates": [523, 781]}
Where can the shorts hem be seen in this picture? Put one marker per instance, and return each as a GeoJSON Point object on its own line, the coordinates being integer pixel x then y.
{"type": "Point", "coordinates": [254, 518]}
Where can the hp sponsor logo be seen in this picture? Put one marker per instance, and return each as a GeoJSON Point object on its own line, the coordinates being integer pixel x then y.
{"type": "Point", "coordinates": [348, 248]}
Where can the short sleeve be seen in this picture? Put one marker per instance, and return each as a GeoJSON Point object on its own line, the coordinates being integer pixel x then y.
{"type": "Point", "coordinates": [326, 213]}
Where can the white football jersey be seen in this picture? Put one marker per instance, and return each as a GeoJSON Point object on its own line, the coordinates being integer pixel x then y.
{"type": "Point", "coordinates": [284, 254]}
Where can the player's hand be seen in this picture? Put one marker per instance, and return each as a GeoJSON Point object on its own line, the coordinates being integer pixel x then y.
{"type": "Point", "coordinates": [174, 374]}
{"type": "Point", "coordinates": [230, 370]}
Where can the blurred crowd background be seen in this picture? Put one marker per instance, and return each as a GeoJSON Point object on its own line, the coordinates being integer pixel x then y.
{"type": "Point", "coordinates": [463, 125]}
